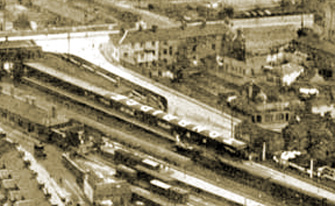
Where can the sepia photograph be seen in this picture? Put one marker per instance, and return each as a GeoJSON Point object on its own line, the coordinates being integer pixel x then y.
{"type": "Point", "coordinates": [167, 102]}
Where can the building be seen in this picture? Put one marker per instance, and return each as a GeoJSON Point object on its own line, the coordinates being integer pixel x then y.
{"type": "Point", "coordinates": [106, 189]}
{"type": "Point", "coordinates": [9, 184]}
{"type": "Point", "coordinates": [26, 115]}
{"type": "Point", "coordinates": [154, 46]}
{"type": "Point", "coordinates": [67, 134]}
{"type": "Point", "coordinates": [329, 19]}
{"type": "Point", "coordinates": [283, 75]}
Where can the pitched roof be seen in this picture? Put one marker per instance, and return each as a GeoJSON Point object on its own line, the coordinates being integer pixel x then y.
{"type": "Point", "coordinates": [169, 33]}
{"type": "Point", "coordinates": [30, 112]}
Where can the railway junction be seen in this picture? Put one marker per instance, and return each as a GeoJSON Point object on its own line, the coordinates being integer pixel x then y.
{"type": "Point", "coordinates": [88, 131]}
{"type": "Point", "coordinates": [42, 99]}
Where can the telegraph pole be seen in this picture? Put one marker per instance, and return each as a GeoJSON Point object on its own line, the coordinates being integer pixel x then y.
{"type": "Point", "coordinates": [5, 14]}
{"type": "Point", "coordinates": [68, 39]}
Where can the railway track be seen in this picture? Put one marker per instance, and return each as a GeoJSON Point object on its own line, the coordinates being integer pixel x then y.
{"type": "Point", "coordinates": [144, 135]}
{"type": "Point", "coordinates": [231, 166]}
{"type": "Point", "coordinates": [232, 177]}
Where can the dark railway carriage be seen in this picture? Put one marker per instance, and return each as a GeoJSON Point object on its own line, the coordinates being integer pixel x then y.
{"type": "Point", "coordinates": [148, 174]}
{"type": "Point", "coordinates": [176, 194]}
{"type": "Point", "coordinates": [179, 195]}
{"type": "Point", "coordinates": [176, 126]}
{"type": "Point", "coordinates": [125, 157]}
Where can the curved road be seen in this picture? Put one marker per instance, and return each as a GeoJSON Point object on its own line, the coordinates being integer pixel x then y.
{"type": "Point", "coordinates": [87, 46]}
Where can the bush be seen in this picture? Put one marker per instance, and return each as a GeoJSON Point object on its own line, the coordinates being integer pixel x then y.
{"type": "Point", "coordinates": [22, 22]}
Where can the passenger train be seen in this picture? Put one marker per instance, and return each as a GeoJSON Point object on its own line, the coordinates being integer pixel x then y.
{"type": "Point", "coordinates": [175, 125]}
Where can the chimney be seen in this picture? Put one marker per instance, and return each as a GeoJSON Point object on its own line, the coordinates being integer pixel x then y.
{"type": "Point", "coordinates": [203, 24]}
{"type": "Point", "coordinates": [154, 28]}
{"type": "Point", "coordinates": [53, 112]}
{"type": "Point", "coordinates": [122, 31]}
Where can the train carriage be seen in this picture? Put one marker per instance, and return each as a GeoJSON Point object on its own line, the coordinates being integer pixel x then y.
{"type": "Point", "coordinates": [173, 193]}
{"type": "Point", "coordinates": [147, 174]}
{"type": "Point", "coordinates": [179, 195]}
{"type": "Point", "coordinates": [126, 157]}
{"type": "Point", "coordinates": [107, 152]}
{"type": "Point", "coordinates": [150, 164]}
{"type": "Point", "coordinates": [126, 172]}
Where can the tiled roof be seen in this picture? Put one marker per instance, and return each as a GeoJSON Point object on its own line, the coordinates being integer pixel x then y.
{"type": "Point", "coordinates": [169, 34]}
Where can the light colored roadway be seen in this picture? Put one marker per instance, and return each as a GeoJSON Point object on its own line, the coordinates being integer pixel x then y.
{"type": "Point", "coordinates": [86, 45]}
{"type": "Point", "coordinates": [293, 182]}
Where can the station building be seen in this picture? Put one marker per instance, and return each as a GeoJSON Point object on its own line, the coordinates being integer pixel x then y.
{"type": "Point", "coordinates": [101, 190]}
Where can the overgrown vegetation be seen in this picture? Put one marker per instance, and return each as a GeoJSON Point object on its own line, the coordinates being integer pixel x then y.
{"type": "Point", "coordinates": [22, 22]}
{"type": "Point", "coordinates": [313, 135]}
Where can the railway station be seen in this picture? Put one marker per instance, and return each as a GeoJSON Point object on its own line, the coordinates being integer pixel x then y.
{"type": "Point", "coordinates": [130, 104]}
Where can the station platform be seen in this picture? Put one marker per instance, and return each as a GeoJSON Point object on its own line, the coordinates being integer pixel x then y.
{"type": "Point", "coordinates": [178, 104]}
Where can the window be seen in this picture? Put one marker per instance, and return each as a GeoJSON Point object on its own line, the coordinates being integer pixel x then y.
{"type": "Point", "coordinates": [125, 55]}
{"type": "Point", "coordinates": [165, 51]}
{"type": "Point", "coordinates": [165, 42]}
{"type": "Point", "coordinates": [268, 118]}
{"type": "Point", "coordinates": [142, 44]}
{"type": "Point", "coordinates": [194, 48]}
{"type": "Point", "coordinates": [153, 43]}
{"type": "Point", "coordinates": [165, 60]}
{"type": "Point", "coordinates": [154, 52]}
{"type": "Point", "coordinates": [171, 50]}
{"type": "Point", "coordinates": [20, 123]}
{"type": "Point", "coordinates": [259, 118]}
{"type": "Point", "coordinates": [213, 46]}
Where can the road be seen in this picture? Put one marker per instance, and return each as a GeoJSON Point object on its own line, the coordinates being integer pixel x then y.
{"type": "Point", "coordinates": [86, 45]}
{"type": "Point", "coordinates": [293, 182]}
{"type": "Point", "coordinates": [149, 17]}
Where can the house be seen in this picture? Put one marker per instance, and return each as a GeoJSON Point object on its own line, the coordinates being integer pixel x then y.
{"type": "Point", "coordinates": [15, 195]}
{"type": "Point", "coordinates": [159, 45]}
{"type": "Point", "coordinates": [329, 19]}
{"type": "Point", "coordinates": [9, 184]}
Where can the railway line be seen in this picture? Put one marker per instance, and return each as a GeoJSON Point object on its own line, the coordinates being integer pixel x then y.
{"type": "Point", "coordinates": [254, 171]}
{"type": "Point", "coordinates": [152, 140]}
{"type": "Point", "coordinates": [249, 168]}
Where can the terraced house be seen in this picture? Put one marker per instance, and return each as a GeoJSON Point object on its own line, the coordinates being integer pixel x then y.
{"type": "Point", "coordinates": [154, 46]}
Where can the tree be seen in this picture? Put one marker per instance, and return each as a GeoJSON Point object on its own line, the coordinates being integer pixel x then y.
{"type": "Point", "coordinates": [22, 21]}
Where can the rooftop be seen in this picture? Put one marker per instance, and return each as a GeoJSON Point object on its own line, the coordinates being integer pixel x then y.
{"type": "Point", "coordinates": [28, 111]}
{"type": "Point", "coordinates": [9, 184]}
{"type": "Point", "coordinates": [169, 34]}
{"type": "Point", "coordinates": [57, 66]}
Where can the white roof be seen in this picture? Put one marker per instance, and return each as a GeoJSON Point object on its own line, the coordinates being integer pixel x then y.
{"type": "Point", "coordinates": [160, 184]}
{"type": "Point", "coordinates": [151, 162]}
